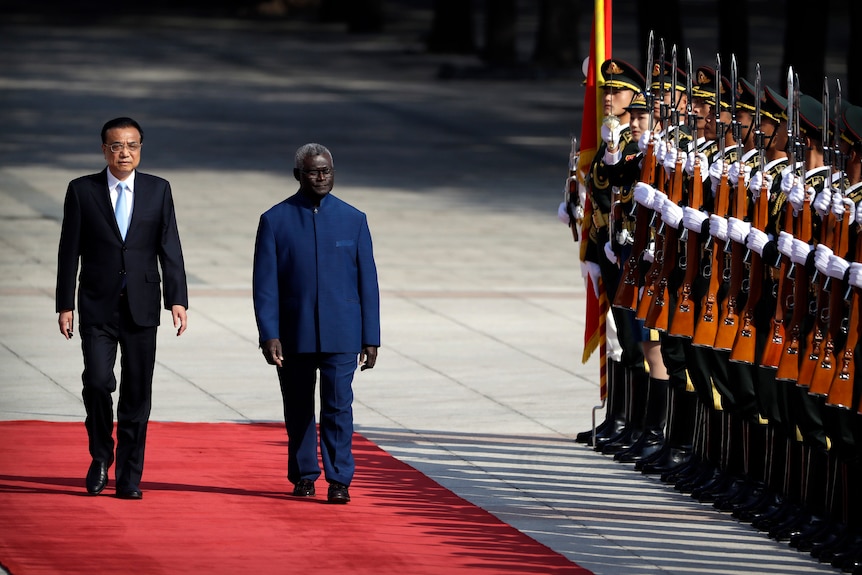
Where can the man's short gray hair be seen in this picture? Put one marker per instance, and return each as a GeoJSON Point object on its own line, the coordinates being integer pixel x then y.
{"type": "Point", "coordinates": [308, 150]}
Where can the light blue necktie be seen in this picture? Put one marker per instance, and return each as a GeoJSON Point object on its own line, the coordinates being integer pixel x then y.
{"type": "Point", "coordinates": [121, 211]}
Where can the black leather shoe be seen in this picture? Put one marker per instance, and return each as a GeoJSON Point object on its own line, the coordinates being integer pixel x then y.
{"type": "Point", "coordinates": [304, 488]}
{"type": "Point", "coordinates": [97, 477]}
{"type": "Point", "coordinates": [338, 493]}
{"type": "Point", "coordinates": [129, 493]}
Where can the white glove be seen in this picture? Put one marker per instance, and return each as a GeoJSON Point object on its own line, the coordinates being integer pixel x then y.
{"type": "Point", "coordinates": [859, 213]}
{"type": "Point", "coordinates": [658, 199]}
{"type": "Point", "coordinates": [737, 230]}
{"type": "Point", "coordinates": [669, 160]}
{"type": "Point", "coordinates": [785, 243]}
{"type": "Point", "coordinates": [689, 165]}
{"type": "Point", "coordinates": [563, 214]}
{"type": "Point", "coordinates": [822, 202]}
{"type": "Point", "coordinates": [643, 193]}
{"type": "Point", "coordinates": [735, 169]}
{"type": "Point", "coordinates": [624, 237]}
{"type": "Point", "coordinates": [788, 178]}
{"type": "Point", "coordinates": [796, 194]}
{"type": "Point", "coordinates": [649, 253]}
{"type": "Point", "coordinates": [855, 278]}
{"type": "Point", "coordinates": [671, 214]}
{"type": "Point", "coordinates": [643, 143]}
{"type": "Point", "coordinates": [718, 227]}
{"type": "Point", "coordinates": [756, 184]}
{"type": "Point", "coordinates": [836, 267]}
{"type": "Point", "coordinates": [609, 253]}
{"type": "Point", "coordinates": [800, 252]}
{"type": "Point", "coordinates": [693, 219]}
{"type": "Point", "coordinates": [715, 171]}
{"type": "Point", "coordinates": [821, 258]}
{"type": "Point", "coordinates": [842, 206]}
{"type": "Point", "coordinates": [611, 136]}
{"type": "Point", "coordinates": [756, 240]}
{"type": "Point", "coordinates": [660, 152]}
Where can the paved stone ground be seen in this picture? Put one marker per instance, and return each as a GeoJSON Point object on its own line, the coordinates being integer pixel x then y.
{"type": "Point", "coordinates": [479, 382]}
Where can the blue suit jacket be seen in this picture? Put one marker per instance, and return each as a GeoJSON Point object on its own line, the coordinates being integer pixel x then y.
{"type": "Point", "coordinates": [315, 280]}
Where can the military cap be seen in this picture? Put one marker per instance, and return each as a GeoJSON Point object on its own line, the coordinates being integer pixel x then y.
{"type": "Point", "coordinates": [638, 102]}
{"type": "Point", "coordinates": [774, 104]}
{"type": "Point", "coordinates": [745, 96]}
{"type": "Point", "coordinates": [668, 77]}
{"type": "Point", "coordinates": [703, 83]}
{"type": "Point", "coordinates": [704, 87]}
{"type": "Point", "coordinates": [810, 116]}
{"type": "Point", "coordinates": [620, 74]}
{"type": "Point", "coordinates": [852, 132]}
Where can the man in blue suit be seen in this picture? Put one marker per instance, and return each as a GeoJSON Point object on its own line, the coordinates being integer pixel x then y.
{"type": "Point", "coordinates": [317, 306]}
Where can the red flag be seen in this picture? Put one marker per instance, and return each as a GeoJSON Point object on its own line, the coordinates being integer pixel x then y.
{"type": "Point", "coordinates": [597, 301]}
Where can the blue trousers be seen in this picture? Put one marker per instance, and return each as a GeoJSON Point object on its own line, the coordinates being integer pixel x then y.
{"type": "Point", "coordinates": [298, 378]}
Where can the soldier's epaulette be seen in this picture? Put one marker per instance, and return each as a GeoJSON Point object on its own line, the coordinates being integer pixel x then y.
{"type": "Point", "coordinates": [816, 178]}
{"type": "Point", "coordinates": [750, 159]}
{"type": "Point", "coordinates": [854, 193]}
{"type": "Point", "coordinates": [709, 148]}
{"type": "Point", "coordinates": [775, 167]}
{"type": "Point", "coordinates": [731, 154]}
{"type": "Point", "coordinates": [626, 136]}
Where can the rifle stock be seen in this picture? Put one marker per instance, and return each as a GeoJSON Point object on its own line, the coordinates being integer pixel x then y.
{"type": "Point", "coordinates": [729, 317]}
{"type": "Point", "coordinates": [707, 324]}
{"type": "Point", "coordinates": [683, 319]}
{"type": "Point", "coordinates": [658, 312]}
{"type": "Point", "coordinates": [783, 305]}
{"type": "Point", "coordinates": [841, 388]}
{"type": "Point", "coordinates": [788, 365]}
{"type": "Point", "coordinates": [744, 341]}
{"type": "Point", "coordinates": [626, 296]}
{"type": "Point", "coordinates": [824, 369]}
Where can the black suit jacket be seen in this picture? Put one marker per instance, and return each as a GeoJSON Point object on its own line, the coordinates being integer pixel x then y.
{"type": "Point", "coordinates": [90, 235]}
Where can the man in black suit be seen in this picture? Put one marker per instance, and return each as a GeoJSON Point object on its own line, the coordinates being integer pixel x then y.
{"type": "Point", "coordinates": [120, 225]}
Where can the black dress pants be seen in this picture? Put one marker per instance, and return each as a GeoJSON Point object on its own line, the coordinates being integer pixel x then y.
{"type": "Point", "coordinates": [138, 355]}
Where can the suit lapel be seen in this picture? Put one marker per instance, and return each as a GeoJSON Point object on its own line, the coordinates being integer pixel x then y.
{"type": "Point", "coordinates": [103, 200]}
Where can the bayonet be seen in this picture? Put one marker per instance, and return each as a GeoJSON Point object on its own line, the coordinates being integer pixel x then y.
{"type": "Point", "coordinates": [662, 106]}
{"type": "Point", "coordinates": [648, 95]}
{"type": "Point", "coordinates": [791, 119]}
{"type": "Point", "coordinates": [839, 157]}
{"type": "Point", "coordinates": [735, 127]}
{"type": "Point", "coordinates": [719, 125]}
{"type": "Point", "coordinates": [800, 145]}
{"type": "Point", "coordinates": [690, 115]}
{"type": "Point", "coordinates": [758, 133]}
{"type": "Point", "coordinates": [674, 111]}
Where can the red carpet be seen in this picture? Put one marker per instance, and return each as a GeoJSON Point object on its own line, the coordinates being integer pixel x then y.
{"type": "Point", "coordinates": [216, 501]}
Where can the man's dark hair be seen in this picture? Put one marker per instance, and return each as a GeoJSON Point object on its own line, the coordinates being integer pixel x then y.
{"type": "Point", "coordinates": [121, 123]}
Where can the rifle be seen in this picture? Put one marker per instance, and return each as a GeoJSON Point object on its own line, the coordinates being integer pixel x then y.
{"type": "Point", "coordinates": [571, 193]}
{"type": "Point", "coordinates": [683, 319]}
{"type": "Point", "coordinates": [841, 388]}
{"type": "Point", "coordinates": [729, 316]}
{"type": "Point", "coordinates": [657, 313]}
{"type": "Point", "coordinates": [744, 343]}
{"type": "Point", "coordinates": [816, 337]}
{"type": "Point", "coordinates": [784, 289]}
{"type": "Point", "coordinates": [707, 325]}
{"type": "Point", "coordinates": [823, 374]}
{"type": "Point", "coordinates": [652, 274]}
{"type": "Point", "coordinates": [788, 364]}
{"type": "Point", "coordinates": [627, 291]}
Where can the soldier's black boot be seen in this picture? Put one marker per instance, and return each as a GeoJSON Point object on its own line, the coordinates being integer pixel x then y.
{"type": "Point", "coordinates": [678, 446]}
{"type": "Point", "coordinates": [655, 420]}
{"type": "Point", "coordinates": [638, 387]}
{"type": "Point", "coordinates": [615, 414]}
